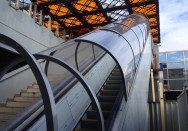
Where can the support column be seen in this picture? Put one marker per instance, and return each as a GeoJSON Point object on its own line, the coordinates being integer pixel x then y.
{"type": "Point", "coordinates": [30, 8]}
{"type": "Point", "coordinates": [64, 34]}
{"type": "Point", "coordinates": [34, 11]}
{"type": "Point", "coordinates": [161, 89]}
{"type": "Point", "coordinates": [57, 30]}
{"type": "Point", "coordinates": [18, 4]}
{"type": "Point", "coordinates": [49, 23]}
{"type": "Point", "coordinates": [40, 18]}
{"type": "Point", "coordinates": [70, 35]}
{"type": "Point", "coordinates": [152, 85]}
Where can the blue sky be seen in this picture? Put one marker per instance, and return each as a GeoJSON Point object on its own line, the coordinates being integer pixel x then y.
{"type": "Point", "coordinates": [173, 25]}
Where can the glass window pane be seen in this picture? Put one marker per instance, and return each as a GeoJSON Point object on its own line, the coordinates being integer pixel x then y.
{"type": "Point", "coordinates": [176, 65]}
{"type": "Point", "coordinates": [186, 55]}
{"type": "Point", "coordinates": [162, 57]}
{"type": "Point", "coordinates": [176, 73]}
{"type": "Point", "coordinates": [165, 74]}
{"type": "Point", "coordinates": [164, 65]}
{"type": "Point", "coordinates": [176, 84]}
{"type": "Point", "coordinates": [175, 56]}
{"type": "Point", "coordinates": [165, 82]}
{"type": "Point", "coordinates": [166, 87]}
{"type": "Point", "coordinates": [186, 64]}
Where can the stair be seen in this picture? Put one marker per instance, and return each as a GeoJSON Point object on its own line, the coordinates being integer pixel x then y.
{"type": "Point", "coordinates": [19, 102]}
{"type": "Point", "coordinates": [107, 97]}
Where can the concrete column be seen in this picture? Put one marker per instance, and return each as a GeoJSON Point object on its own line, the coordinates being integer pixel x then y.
{"type": "Point", "coordinates": [152, 85]}
{"type": "Point", "coordinates": [161, 89]}
{"type": "Point", "coordinates": [57, 30]}
{"type": "Point", "coordinates": [30, 8]}
{"type": "Point", "coordinates": [156, 54]}
{"type": "Point", "coordinates": [49, 23]}
{"type": "Point", "coordinates": [70, 35]}
{"type": "Point", "coordinates": [18, 4]}
{"type": "Point", "coordinates": [64, 34]}
{"type": "Point", "coordinates": [40, 18]}
{"type": "Point", "coordinates": [34, 11]}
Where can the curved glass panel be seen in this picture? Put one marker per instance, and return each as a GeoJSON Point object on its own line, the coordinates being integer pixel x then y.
{"type": "Point", "coordinates": [133, 40]}
{"type": "Point", "coordinates": [140, 36]}
{"type": "Point", "coordinates": [120, 49]}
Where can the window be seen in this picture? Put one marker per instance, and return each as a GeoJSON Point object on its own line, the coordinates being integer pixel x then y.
{"type": "Point", "coordinates": [162, 57]}
{"type": "Point", "coordinates": [175, 56]}
{"type": "Point", "coordinates": [176, 84]}
{"type": "Point", "coordinates": [176, 73]}
{"type": "Point", "coordinates": [176, 65]}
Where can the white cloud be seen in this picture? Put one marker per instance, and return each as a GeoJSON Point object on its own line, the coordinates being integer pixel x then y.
{"type": "Point", "coordinates": [174, 25]}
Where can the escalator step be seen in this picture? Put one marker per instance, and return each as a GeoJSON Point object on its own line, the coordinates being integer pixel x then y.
{"type": "Point", "coordinates": [115, 78]}
{"type": "Point", "coordinates": [115, 73]}
{"type": "Point", "coordinates": [89, 123]}
{"type": "Point", "coordinates": [105, 106]}
{"type": "Point", "coordinates": [82, 129]}
{"type": "Point", "coordinates": [112, 86]}
{"type": "Point", "coordinates": [91, 114]}
{"type": "Point", "coordinates": [109, 92]}
{"type": "Point", "coordinates": [113, 81]}
{"type": "Point", "coordinates": [107, 98]}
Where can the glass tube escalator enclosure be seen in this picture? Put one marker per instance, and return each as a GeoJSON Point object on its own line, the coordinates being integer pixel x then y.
{"type": "Point", "coordinates": [121, 43]}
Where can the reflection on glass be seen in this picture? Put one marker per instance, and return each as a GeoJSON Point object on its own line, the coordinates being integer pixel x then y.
{"type": "Point", "coordinates": [186, 65]}
{"type": "Point", "coordinates": [166, 87]}
{"type": "Point", "coordinates": [186, 55]}
{"type": "Point", "coordinates": [165, 82]}
{"type": "Point", "coordinates": [162, 57]}
{"type": "Point", "coordinates": [176, 84]}
{"type": "Point", "coordinates": [176, 73]}
{"type": "Point", "coordinates": [165, 73]}
{"type": "Point", "coordinates": [176, 65]}
{"type": "Point", "coordinates": [175, 56]}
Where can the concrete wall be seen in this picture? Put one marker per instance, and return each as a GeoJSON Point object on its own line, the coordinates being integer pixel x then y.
{"type": "Point", "coordinates": [23, 29]}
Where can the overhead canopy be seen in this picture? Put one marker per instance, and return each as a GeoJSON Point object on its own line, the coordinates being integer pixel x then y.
{"type": "Point", "coordinates": [82, 16]}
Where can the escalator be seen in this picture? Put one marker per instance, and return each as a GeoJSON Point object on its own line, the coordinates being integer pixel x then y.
{"type": "Point", "coordinates": [107, 97]}
{"type": "Point", "coordinates": [79, 85]}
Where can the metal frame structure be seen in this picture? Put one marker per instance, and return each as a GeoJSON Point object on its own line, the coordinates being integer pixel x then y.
{"type": "Point", "coordinates": [167, 68]}
{"type": "Point", "coordinates": [82, 16]}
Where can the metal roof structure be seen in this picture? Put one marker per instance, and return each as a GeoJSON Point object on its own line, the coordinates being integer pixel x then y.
{"type": "Point", "coordinates": [83, 16]}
